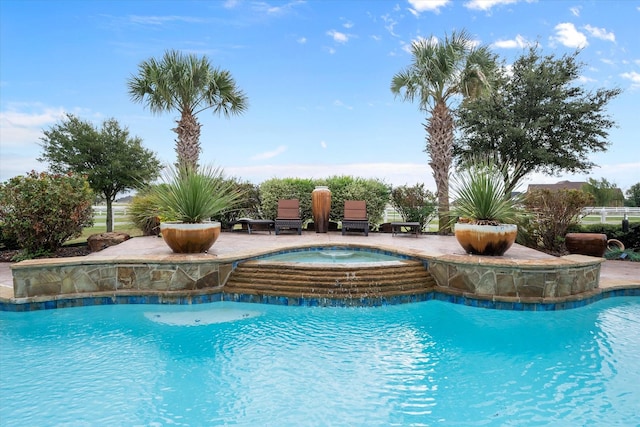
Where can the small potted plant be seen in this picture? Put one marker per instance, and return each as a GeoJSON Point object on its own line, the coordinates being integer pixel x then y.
{"type": "Point", "coordinates": [187, 199]}
{"type": "Point", "coordinates": [485, 213]}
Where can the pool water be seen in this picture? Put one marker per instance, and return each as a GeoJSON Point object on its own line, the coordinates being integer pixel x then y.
{"type": "Point", "coordinates": [332, 256]}
{"type": "Point", "coordinates": [423, 364]}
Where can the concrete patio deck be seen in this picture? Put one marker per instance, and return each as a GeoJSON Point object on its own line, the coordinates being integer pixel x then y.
{"type": "Point", "coordinates": [239, 245]}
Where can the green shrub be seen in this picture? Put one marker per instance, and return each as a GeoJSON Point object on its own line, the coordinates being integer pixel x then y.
{"type": "Point", "coordinates": [275, 189]}
{"type": "Point", "coordinates": [342, 188]}
{"type": "Point", "coordinates": [414, 204]}
{"type": "Point", "coordinates": [144, 213]}
{"type": "Point", "coordinates": [248, 206]}
{"type": "Point", "coordinates": [41, 211]}
{"type": "Point", "coordinates": [552, 215]}
{"type": "Point", "coordinates": [372, 191]}
{"type": "Point", "coordinates": [627, 255]}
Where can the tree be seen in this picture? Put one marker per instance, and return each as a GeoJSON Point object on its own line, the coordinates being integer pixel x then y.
{"type": "Point", "coordinates": [538, 119]}
{"type": "Point", "coordinates": [188, 84]}
{"type": "Point", "coordinates": [415, 204]}
{"type": "Point", "coordinates": [439, 73]}
{"type": "Point", "coordinates": [111, 160]}
{"type": "Point", "coordinates": [604, 193]}
{"type": "Point", "coordinates": [633, 195]}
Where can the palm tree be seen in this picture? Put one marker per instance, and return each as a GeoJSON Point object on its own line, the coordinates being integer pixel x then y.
{"type": "Point", "coordinates": [439, 74]}
{"type": "Point", "coordinates": [189, 84]}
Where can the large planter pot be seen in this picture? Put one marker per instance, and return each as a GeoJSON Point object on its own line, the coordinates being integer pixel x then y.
{"type": "Point", "coordinates": [486, 239]}
{"type": "Point", "coordinates": [321, 208]}
{"type": "Point", "coordinates": [592, 244]}
{"type": "Point", "coordinates": [190, 238]}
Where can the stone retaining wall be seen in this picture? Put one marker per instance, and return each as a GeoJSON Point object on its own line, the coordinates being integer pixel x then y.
{"type": "Point", "coordinates": [69, 276]}
{"type": "Point", "coordinates": [482, 276]}
{"type": "Point", "coordinates": [524, 280]}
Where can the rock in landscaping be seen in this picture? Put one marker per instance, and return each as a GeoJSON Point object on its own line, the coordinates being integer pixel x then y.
{"type": "Point", "coordinates": [98, 242]}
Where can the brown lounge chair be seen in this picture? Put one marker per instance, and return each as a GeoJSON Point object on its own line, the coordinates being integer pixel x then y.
{"type": "Point", "coordinates": [288, 216]}
{"type": "Point", "coordinates": [355, 216]}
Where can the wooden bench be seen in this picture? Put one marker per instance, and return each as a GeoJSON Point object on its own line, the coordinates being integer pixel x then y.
{"type": "Point", "coordinates": [399, 227]}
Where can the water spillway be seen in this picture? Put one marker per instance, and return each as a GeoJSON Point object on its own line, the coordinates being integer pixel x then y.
{"type": "Point", "coordinates": [332, 281]}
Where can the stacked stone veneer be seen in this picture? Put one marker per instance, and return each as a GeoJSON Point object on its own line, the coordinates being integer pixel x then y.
{"type": "Point", "coordinates": [529, 280]}
{"type": "Point", "coordinates": [495, 278]}
{"type": "Point", "coordinates": [69, 276]}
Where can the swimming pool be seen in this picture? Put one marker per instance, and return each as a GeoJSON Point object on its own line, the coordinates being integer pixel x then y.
{"type": "Point", "coordinates": [248, 364]}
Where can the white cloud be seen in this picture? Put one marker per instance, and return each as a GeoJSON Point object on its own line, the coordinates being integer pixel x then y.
{"type": "Point", "coordinates": [21, 128]}
{"type": "Point", "coordinates": [600, 33]}
{"type": "Point", "coordinates": [264, 7]}
{"type": "Point", "coordinates": [348, 24]}
{"type": "Point", "coordinates": [569, 36]}
{"type": "Point", "coordinates": [389, 24]}
{"type": "Point", "coordinates": [486, 4]}
{"type": "Point", "coordinates": [338, 36]}
{"type": "Point", "coordinates": [575, 11]}
{"type": "Point", "coordinates": [339, 103]}
{"type": "Point", "coordinates": [607, 61]}
{"type": "Point", "coordinates": [230, 4]}
{"type": "Point", "coordinates": [323, 144]}
{"type": "Point", "coordinates": [270, 154]}
{"type": "Point", "coordinates": [418, 6]}
{"type": "Point", "coordinates": [585, 79]}
{"type": "Point", "coordinates": [18, 128]}
{"type": "Point", "coordinates": [519, 42]}
{"type": "Point", "coordinates": [302, 40]}
{"type": "Point", "coordinates": [160, 20]}
{"type": "Point", "coordinates": [634, 77]}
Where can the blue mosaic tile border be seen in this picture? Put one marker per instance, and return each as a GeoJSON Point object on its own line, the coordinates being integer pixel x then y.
{"type": "Point", "coordinates": [312, 302]}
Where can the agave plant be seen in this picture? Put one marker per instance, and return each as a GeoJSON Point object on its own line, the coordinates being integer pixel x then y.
{"type": "Point", "coordinates": [194, 195]}
{"type": "Point", "coordinates": [481, 195]}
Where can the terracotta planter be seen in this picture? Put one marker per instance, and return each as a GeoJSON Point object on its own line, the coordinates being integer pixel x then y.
{"type": "Point", "coordinates": [321, 208]}
{"type": "Point", "coordinates": [592, 244]}
{"type": "Point", "coordinates": [486, 239]}
{"type": "Point", "coordinates": [190, 238]}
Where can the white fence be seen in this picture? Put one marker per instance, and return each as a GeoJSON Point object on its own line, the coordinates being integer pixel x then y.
{"type": "Point", "coordinates": [119, 215]}
{"type": "Point", "coordinates": [390, 214]}
{"type": "Point", "coordinates": [617, 212]}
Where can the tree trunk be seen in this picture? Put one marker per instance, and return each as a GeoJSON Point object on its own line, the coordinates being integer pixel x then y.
{"type": "Point", "coordinates": [440, 149]}
{"type": "Point", "coordinates": [109, 215]}
{"type": "Point", "coordinates": [188, 142]}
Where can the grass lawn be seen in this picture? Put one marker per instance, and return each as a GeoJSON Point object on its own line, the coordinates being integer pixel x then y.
{"type": "Point", "coordinates": [96, 229]}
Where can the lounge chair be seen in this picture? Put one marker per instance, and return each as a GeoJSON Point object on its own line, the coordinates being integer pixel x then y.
{"type": "Point", "coordinates": [288, 216]}
{"type": "Point", "coordinates": [355, 216]}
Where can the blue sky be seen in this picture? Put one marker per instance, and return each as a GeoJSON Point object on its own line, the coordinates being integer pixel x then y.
{"type": "Point", "coordinates": [317, 74]}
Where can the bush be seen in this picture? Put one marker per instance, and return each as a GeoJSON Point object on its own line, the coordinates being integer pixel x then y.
{"type": "Point", "coordinates": [414, 204]}
{"type": "Point", "coordinates": [552, 214]}
{"type": "Point", "coordinates": [373, 191]}
{"type": "Point", "coordinates": [41, 211]}
{"type": "Point", "coordinates": [275, 189]}
{"type": "Point", "coordinates": [342, 188]}
{"type": "Point", "coordinates": [247, 207]}
{"type": "Point", "coordinates": [144, 213]}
